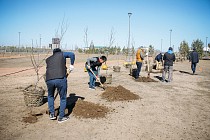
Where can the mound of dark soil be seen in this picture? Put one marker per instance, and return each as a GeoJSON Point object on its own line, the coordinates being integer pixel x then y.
{"type": "Point", "coordinates": [84, 109]}
{"type": "Point", "coordinates": [144, 79]}
{"type": "Point", "coordinates": [118, 93]}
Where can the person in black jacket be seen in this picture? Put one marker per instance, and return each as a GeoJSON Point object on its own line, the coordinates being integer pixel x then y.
{"type": "Point", "coordinates": [159, 60]}
{"type": "Point", "coordinates": [194, 58]}
{"type": "Point", "coordinates": [168, 58]}
{"type": "Point", "coordinates": [56, 78]}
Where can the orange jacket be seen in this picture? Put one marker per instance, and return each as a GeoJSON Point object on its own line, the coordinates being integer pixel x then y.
{"type": "Point", "coordinates": [138, 56]}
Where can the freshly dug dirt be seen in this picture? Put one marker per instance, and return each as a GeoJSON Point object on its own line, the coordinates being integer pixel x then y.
{"type": "Point", "coordinates": [118, 93]}
{"type": "Point", "coordinates": [30, 119]}
{"type": "Point", "coordinates": [84, 109]}
{"type": "Point", "coordinates": [145, 79]}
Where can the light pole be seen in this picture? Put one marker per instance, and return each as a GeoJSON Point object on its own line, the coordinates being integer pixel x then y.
{"type": "Point", "coordinates": [19, 42]}
{"type": "Point", "coordinates": [170, 36]}
{"type": "Point", "coordinates": [129, 15]}
{"type": "Point", "coordinates": [40, 40]}
{"type": "Point", "coordinates": [206, 46]}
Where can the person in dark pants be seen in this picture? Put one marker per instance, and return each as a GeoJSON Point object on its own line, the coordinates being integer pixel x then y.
{"type": "Point", "coordinates": [194, 59]}
{"type": "Point", "coordinates": [159, 59]}
{"type": "Point", "coordinates": [56, 79]}
{"type": "Point", "coordinates": [94, 64]}
{"type": "Point", "coordinates": [169, 58]}
{"type": "Point", "coordinates": [139, 59]}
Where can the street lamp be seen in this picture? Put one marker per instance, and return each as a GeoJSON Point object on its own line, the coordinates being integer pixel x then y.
{"type": "Point", "coordinates": [206, 46]}
{"type": "Point", "coordinates": [129, 15]}
{"type": "Point", "coordinates": [19, 42]}
{"type": "Point", "coordinates": [40, 41]}
{"type": "Point", "coordinates": [170, 36]}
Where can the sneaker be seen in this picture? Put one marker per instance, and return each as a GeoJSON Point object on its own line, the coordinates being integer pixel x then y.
{"type": "Point", "coordinates": [60, 120]}
{"type": "Point", "coordinates": [52, 117]}
{"type": "Point", "coordinates": [92, 88]}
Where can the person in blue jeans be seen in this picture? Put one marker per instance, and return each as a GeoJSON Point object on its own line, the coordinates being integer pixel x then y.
{"type": "Point", "coordinates": [94, 64]}
{"type": "Point", "coordinates": [194, 59]}
{"type": "Point", "coordinates": [56, 79]}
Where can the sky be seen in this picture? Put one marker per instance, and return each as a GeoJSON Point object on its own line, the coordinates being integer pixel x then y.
{"type": "Point", "coordinates": [150, 22]}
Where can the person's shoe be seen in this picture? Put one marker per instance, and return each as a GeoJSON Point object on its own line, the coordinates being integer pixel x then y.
{"type": "Point", "coordinates": [92, 88]}
{"type": "Point", "coordinates": [52, 117]}
{"type": "Point", "coordinates": [60, 120]}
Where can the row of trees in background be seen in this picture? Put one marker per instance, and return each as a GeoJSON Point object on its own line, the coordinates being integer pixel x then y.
{"type": "Point", "coordinates": [184, 48]}
{"type": "Point", "coordinates": [15, 49]}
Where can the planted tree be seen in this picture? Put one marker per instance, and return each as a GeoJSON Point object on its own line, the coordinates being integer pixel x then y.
{"type": "Point", "coordinates": [86, 40]}
{"type": "Point", "coordinates": [184, 49]}
{"type": "Point", "coordinates": [151, 50]}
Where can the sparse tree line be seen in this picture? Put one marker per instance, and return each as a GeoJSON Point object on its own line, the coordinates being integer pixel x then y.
{"type": "Point", "coordinates": [185, 49]}
{"type": "Point", "coordinates": [4, 49]}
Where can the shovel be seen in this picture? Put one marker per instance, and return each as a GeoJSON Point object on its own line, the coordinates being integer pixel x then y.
{"type": "Point", "coordinates": [102, 86]}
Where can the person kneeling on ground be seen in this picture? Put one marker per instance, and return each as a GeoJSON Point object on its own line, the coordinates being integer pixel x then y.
{"type": "Point", "coordinates": [93, 66]}
{"type": "Point", "coordinates": [56, 77]}
{"type": "Point", "coordinates": [169, 58]}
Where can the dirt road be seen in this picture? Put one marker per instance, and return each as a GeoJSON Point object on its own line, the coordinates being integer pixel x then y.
{"type": "Point", "coordinates": [176, 110]}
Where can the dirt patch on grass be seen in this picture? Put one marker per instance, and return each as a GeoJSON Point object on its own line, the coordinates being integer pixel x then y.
{"type": "Point", "coordinates": [118, 93]}
{"type": "Point", "coordinates": [144, 79]}
{"type": "Point", "coordinates": [84, 109]}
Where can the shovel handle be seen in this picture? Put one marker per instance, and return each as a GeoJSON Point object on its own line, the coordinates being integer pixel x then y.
{"type": "Point", "coordinates": [96, 77]}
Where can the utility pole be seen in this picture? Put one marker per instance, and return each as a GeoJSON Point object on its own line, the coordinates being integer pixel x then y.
{"type": "Point", "coordinates": [170, 36]}
{"type": "Point", "coordinates": [129, 15]}
{"type": "Point", "coordinates": [40, 41]}
{"type": "Point", "coordinates": [19, 43]}
{"type": "Point", "coordinates": [206, 47]}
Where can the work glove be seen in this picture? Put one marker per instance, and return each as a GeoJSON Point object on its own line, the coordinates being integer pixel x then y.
{"type": "Point", "coordinates": [71, 68]}
{"type": "Point", "coordinates": [88, 66]}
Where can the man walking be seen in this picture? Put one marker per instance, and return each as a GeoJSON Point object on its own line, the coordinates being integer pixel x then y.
{"type": "Point", "coordinates": [56, 78]}
{"type": "Point", "coordinates": [93, 66]}
{"type": "Point", "coordinates": [194, 58]}
{"type": "Point", "coordinates": [168, 58]}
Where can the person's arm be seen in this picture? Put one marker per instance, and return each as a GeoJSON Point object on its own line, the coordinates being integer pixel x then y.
{"type": "Point", "coordinates": [164, 57]}
{"type": "Point", "coordinates": [70, 55]}
{"type": "Point", "coordinates": [142, 55]}
{"type": "Point", "coordinates": [190, 57]}
{"type": "Point", "coordinates": [174, 57]}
